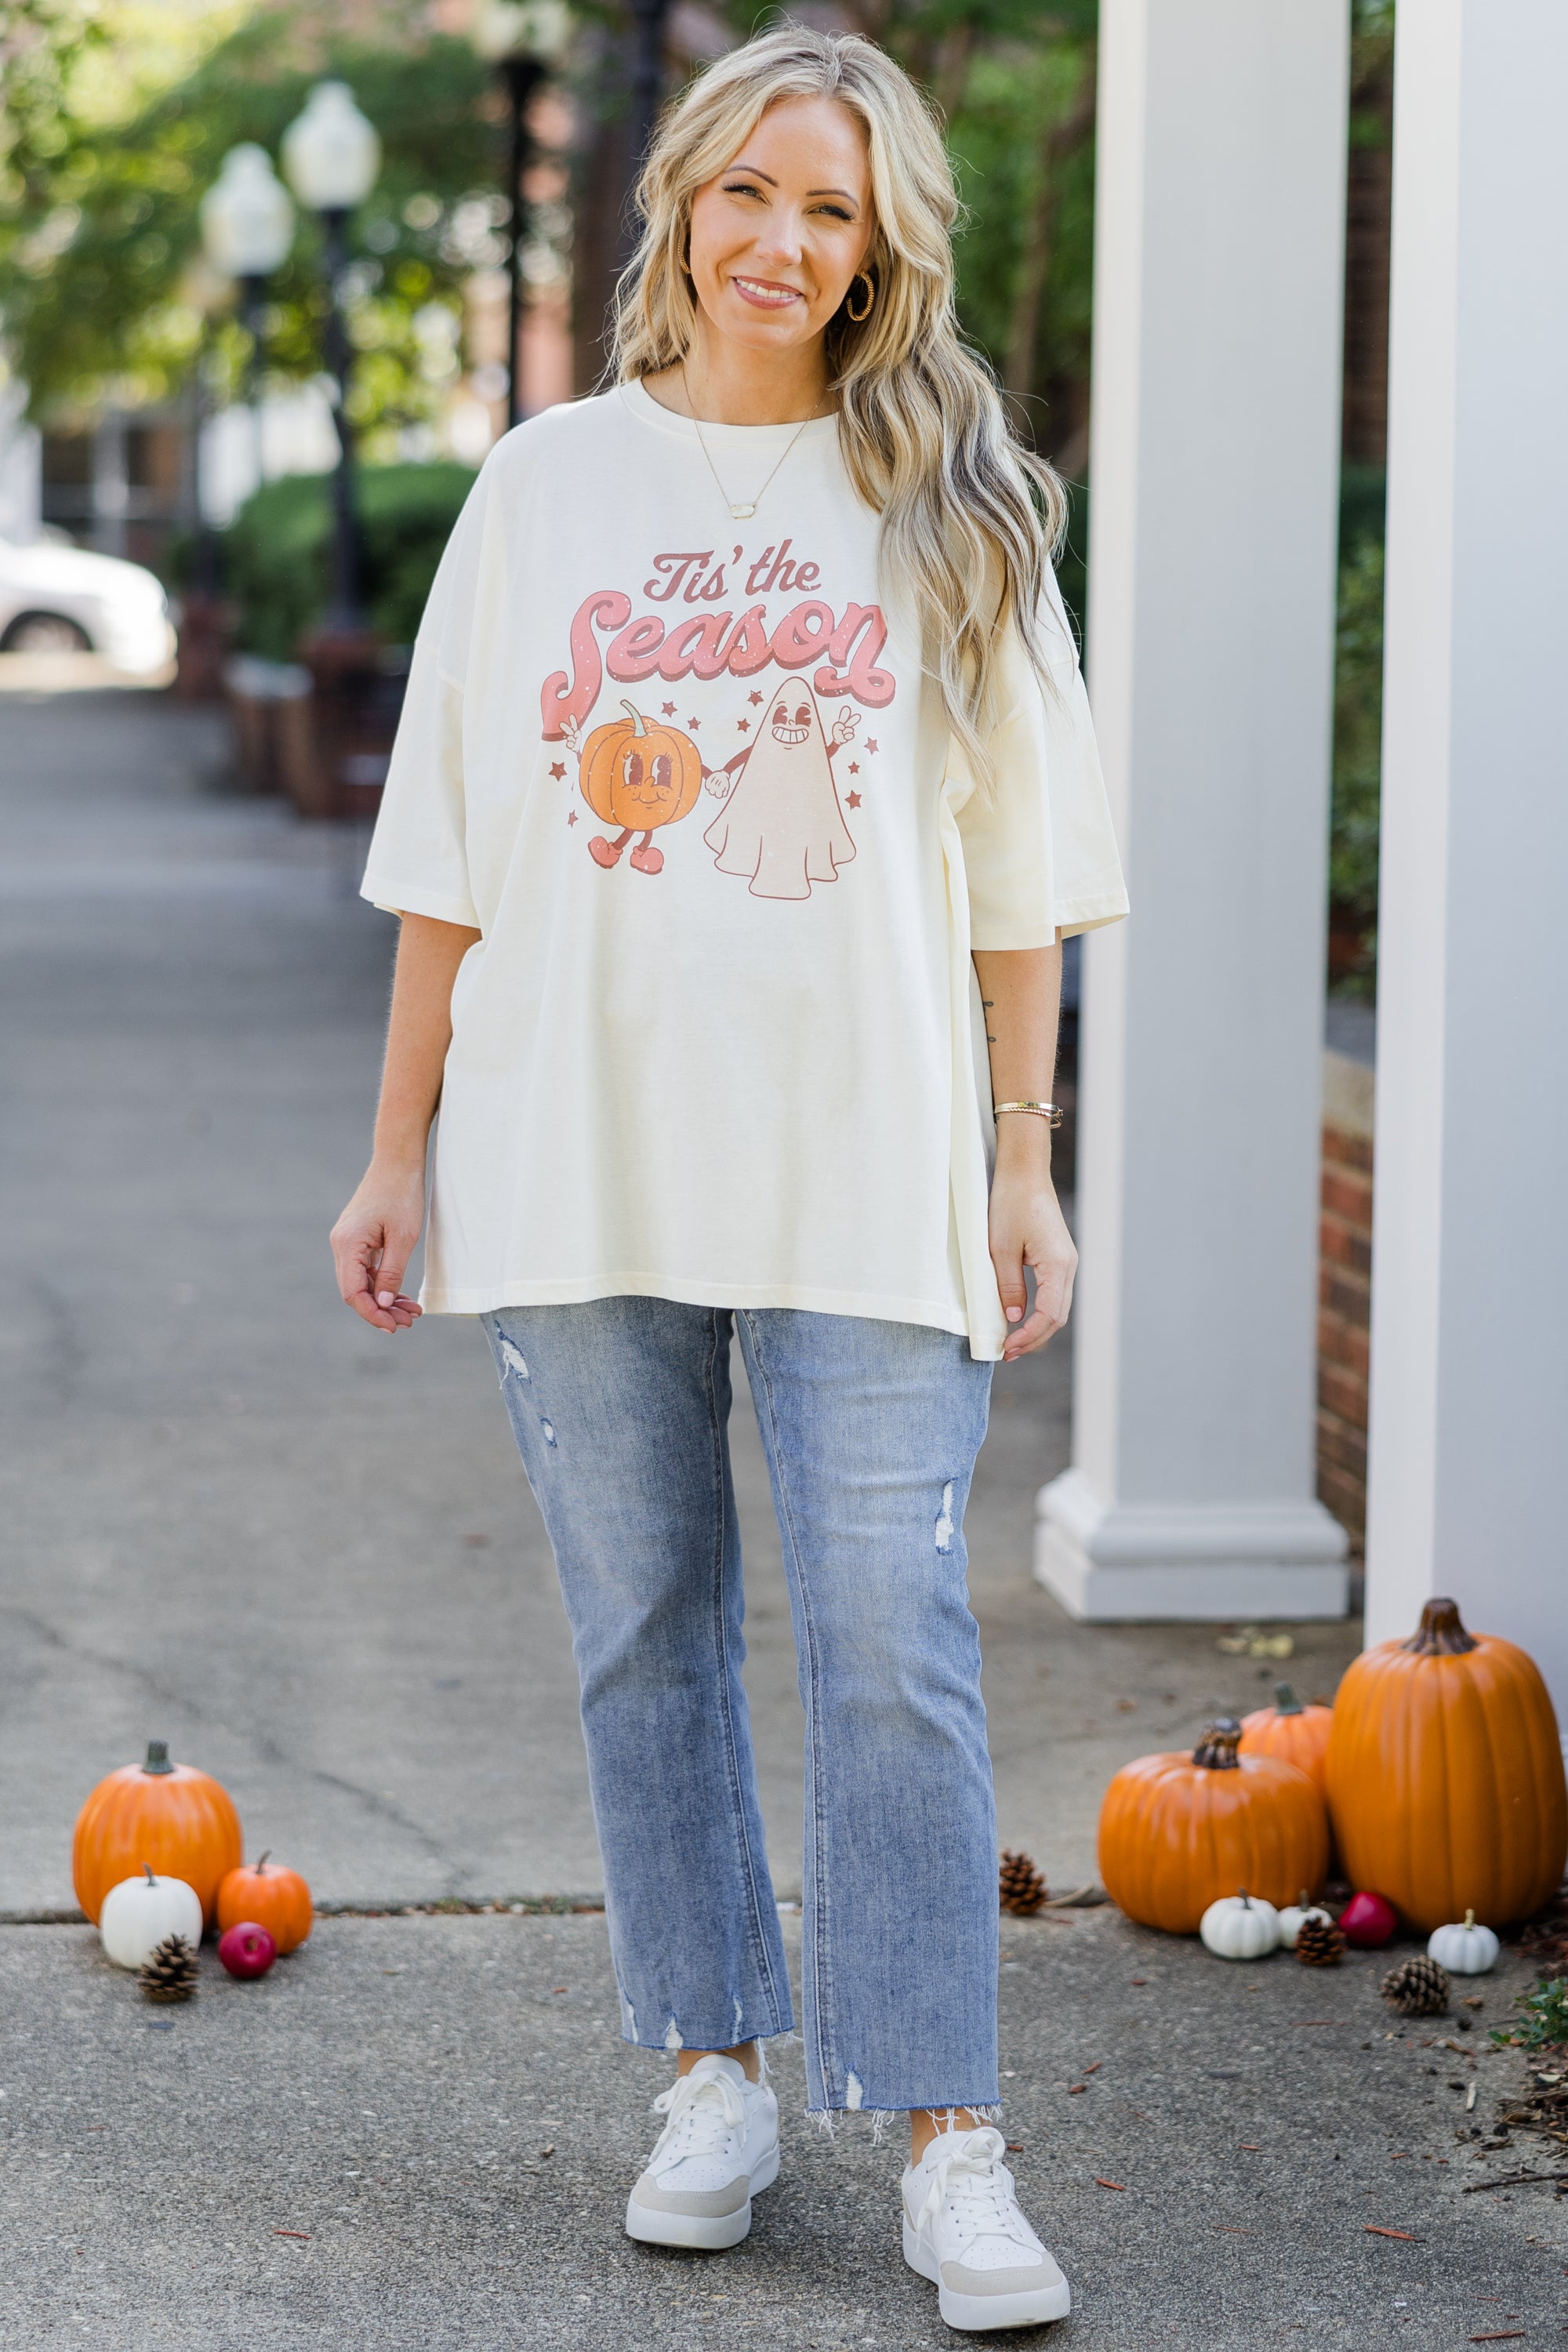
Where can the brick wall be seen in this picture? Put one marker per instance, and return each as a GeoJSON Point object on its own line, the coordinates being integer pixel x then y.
{"type": "Point", "coordinates": [1344, 1291]}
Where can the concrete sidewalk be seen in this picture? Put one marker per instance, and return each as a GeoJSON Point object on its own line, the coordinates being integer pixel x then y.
{"type": "Point", "coordinates": [303, 1553]}
{"type": "Point", "coordinates": [420, 2132]}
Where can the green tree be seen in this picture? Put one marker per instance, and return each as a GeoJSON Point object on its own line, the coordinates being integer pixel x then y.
{"type": "Point", "coordinates": [100, 232]}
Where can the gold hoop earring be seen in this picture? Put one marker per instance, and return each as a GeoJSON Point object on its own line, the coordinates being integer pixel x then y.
{"type": "Point", "coordinates": [860, 317]}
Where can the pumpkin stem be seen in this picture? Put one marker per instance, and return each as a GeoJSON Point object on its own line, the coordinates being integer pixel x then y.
{"type": "Point", "coordinates": [148, 1868]}
{"type": "Point", "coordinates": [157, 1757]}
{"type": "Point", "coordinates": [638, 726]}
{"type": "Point", "coordinates": [1469, 1918]}
{"type": "Point", "coordinates": [1245, 1898]}
{"type": "Point", "coordinates": [1286, 1701]}
{"type": "Point", "coordinates": [1441, 1634]}
{"type": "Point", "coordinates": [260, 1864]}
{"type": "Point", "coordinates": [1216, 1752]}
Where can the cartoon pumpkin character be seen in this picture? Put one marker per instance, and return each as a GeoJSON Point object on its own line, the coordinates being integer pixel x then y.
{"type": "Point", "coordinates": [639, 776]}
{"type": "Point", "coordinates": [782, 826]}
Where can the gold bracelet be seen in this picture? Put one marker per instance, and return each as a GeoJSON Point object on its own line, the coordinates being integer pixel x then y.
{"type": "Point", "coordinates": [1047, 1111]}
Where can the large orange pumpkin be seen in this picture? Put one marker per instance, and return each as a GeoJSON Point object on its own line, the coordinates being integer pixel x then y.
{"type": "Point", "coordinates": [275, 1899]}
{"type": "Point", "coordinates": [638, 774]}
{"type": "Point", "coordinates": [168, 1817]}
{"type": "Point", "coordinates": [1177, 1832]}
{"type": "Point", "coordinates": [1300, 1734]}
{"type": "Point", "coordinates": [1445, 1776]}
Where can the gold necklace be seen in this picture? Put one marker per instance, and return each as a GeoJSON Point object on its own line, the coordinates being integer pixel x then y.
{"type": "Point", "coordinates": [741, 509]}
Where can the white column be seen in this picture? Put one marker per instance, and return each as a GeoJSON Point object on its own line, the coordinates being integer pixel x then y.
{"type": "Point", "coordinates": [1468, 1477]}
{"type": "Point", "coordinates": [1214, 460]}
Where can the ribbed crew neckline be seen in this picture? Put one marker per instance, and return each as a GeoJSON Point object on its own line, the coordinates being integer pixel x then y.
{"type": "Point", "coordinates": [642, 403]}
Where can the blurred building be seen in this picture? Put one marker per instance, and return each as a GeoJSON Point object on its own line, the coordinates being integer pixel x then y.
{"type": "Point", "coordinates": [21, 481]}
{"type": "Point", "coordinates": [123, 485]}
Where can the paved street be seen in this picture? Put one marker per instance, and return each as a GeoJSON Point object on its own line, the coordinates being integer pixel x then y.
{"type": "Point", "coordinates": [419, 2133]}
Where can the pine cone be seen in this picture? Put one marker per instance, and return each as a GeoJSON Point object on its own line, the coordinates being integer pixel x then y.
{"type": "Point", "coordinates": [1417, 1987]}
{"type": "Point", "coordinates": [1022, 1887]}
{"type": "Point", "coordinates": [171, 1973]}
{"type": "Point", "coordinates": [1318, 1943]}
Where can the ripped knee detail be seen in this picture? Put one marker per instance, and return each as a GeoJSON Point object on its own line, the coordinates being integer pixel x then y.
{"type": "Point", "coordinates": [514, 1367]}
{"type": "Point", "coordinates": [943, 1527]}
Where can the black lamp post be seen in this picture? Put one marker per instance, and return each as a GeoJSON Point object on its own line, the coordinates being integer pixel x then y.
{"type": "Point", "coordinates": [332, 155]}
{"type": "Point", "coordinates": [524, 40]}
{"type": "Point", "coordinates": [649, 18]}
{"type": "Point", "coordinates": [247, 227]}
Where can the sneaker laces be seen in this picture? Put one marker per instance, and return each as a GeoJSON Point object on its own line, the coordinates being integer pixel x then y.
{"type": "Point", "coordinates": [979, 2186]}
{"type": "Point", "coordinates": [703, 2110]}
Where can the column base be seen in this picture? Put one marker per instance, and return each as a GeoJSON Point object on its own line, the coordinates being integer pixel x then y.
{"type": "Point", "coordinates": [1110, 1561]}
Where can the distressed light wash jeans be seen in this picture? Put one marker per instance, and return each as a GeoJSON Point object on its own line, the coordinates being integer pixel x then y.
{"type": "Point", "coordinates": [621, 1408]}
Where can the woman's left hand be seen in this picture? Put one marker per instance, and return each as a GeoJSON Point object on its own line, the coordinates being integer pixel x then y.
{"type": "Point", "coordinates": [1027, 1228]}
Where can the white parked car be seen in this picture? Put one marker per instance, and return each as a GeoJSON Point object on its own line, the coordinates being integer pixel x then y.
{"type": "Point", "coordinates": [56, 599]}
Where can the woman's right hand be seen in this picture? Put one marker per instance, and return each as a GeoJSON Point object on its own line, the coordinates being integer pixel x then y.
{"type": "Point", "coordinates": [373, 1242]}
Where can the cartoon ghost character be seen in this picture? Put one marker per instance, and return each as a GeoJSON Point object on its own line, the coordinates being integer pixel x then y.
{"type": "Point", "coordinates": [782, 826]}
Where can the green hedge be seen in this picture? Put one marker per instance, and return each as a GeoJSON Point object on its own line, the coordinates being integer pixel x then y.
{"type": "Point", "coordinates": [276, 552]}
{"type": "Point", "coordinates": [1358, 731]}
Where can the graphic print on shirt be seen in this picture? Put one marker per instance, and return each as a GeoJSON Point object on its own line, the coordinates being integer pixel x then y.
{"type": "Point", "coordinates": [782, 824]}
{"type": "Point", "coordinates": [638, 776]}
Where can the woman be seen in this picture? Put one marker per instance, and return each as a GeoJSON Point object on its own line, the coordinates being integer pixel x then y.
{"type": "Point", "coordinates": [744, 793]}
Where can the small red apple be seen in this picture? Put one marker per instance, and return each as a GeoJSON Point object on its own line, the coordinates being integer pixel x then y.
{"type": "Point", "coordinates": [1367, 1920]}
{"type": "Point", "coordinates": [246, 1949]}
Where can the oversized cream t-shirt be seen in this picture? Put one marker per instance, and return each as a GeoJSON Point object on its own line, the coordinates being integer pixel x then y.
{"type": "Point", "coordinates": [719, 1039]}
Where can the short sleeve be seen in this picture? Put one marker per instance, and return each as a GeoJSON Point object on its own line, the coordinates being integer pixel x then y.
{"type": "Point", "coordinates": [419, 854]}
{"type": "Point", "coordinates": [1040, 851]}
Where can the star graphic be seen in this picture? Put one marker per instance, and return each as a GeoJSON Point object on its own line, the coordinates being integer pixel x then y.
{"type": "Point", "coordinates": [693, 723]}
{"type": "Point", "coordinates": [754, 697]}
{"type": "Point", "coordinates": [556, 769]}
{"type": "Point", "coordinates": [870, 742]}
{"type": "Point", "coordinates": [571, 816]}
{"type": "Point", "coordinates": [853, 799]}
{"type": "Point", "coordinates": [744, 726]}
{"type": "Point", "coordinates": [667, 709]}
{"type": "Point", "coordinates": [854, 767]}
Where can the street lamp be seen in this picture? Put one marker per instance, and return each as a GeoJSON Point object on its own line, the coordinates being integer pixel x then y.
{"type": "Point", "coordinates": [248, 226]}
{"type": "Point", "coordinates": [332, 155]}
{"type": "Point", "coordinates": [209, 292]}
{"type": "Point", "coordinates": [524, 40]}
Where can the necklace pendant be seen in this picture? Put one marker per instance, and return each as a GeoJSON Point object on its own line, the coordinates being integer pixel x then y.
{"type": "Point", "coordinates": [741, 513]}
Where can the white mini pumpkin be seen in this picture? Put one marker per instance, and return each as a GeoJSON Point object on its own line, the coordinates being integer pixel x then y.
{"type": "Point", "coordinates": [140, 1911]}
{"type": "Point", "coordinates": [1240, 1926]}
{"type": "Point", "coordinates": [1464, 1949]}
{"type": "Point", "coordinates": [1292, 1918]}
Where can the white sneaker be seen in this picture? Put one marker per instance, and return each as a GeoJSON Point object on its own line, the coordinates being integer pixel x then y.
{"type": "Point", "coordinates": [963, 2232]}
{"type": "Point", "coordinates": [719, 2145]}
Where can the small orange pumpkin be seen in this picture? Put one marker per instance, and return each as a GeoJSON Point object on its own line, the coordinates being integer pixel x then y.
{"type": "Point", "coordinates": [275, 1899]}
{"type": "Point", "coordinates": [639, 775]}
{"type": "Point", "coordinates": [1178, 1831]}
{"type": "Point", "coordinates": [168, 1817]}
{"type": "Point", "coordinates": [1446, 1777]}
{"type": "Point", "coordinates": [1300, 1734]}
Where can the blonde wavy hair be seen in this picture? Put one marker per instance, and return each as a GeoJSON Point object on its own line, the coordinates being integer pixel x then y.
{"type": "Point", "coordinates": [970, 518]}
